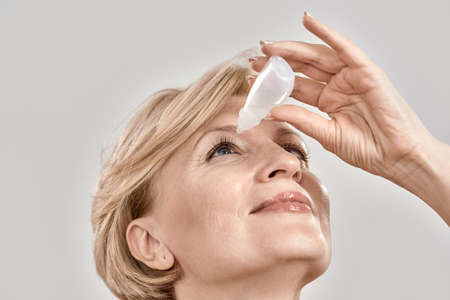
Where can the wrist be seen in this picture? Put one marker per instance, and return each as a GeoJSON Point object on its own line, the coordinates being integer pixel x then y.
{"type": "Point", "coordinates": [426, 174]}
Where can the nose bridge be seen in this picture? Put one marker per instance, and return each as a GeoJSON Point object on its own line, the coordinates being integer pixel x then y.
{"type": "Point", "coordinates": [275, 162]}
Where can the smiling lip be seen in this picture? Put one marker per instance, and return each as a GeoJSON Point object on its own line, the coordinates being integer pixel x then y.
{"type": "Point", "coordinates": [286, 201]}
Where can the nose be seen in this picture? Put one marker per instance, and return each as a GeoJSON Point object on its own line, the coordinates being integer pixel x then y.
{"type": "Point", "coordinates": [278, 163]}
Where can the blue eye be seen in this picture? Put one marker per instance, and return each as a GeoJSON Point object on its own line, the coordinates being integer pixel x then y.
{"type": "Point", "coordinates": [221, 148]}
{"type": "Point", "coordinates": [223, 144]}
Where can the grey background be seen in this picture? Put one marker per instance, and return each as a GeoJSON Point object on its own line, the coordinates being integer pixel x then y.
{"type": "Point", "coordinates": [72, 72]}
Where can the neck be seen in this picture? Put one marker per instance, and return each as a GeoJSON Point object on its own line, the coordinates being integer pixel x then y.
{"type": "Point", "coordinates": [282, 283]}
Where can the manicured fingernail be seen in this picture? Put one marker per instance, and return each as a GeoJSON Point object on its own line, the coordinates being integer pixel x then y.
{"type": "Point", "coordinates": [268, 117]}
{"type": "Point", "coordinates": [250, 78]}
{"type": "Point", "coordinates": [265, 42]}
{"type": "Point", "coordinates": [307, 14]}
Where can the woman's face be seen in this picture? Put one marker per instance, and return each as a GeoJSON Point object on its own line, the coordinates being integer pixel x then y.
{"type": "Point", "coordinates": [203, 213]}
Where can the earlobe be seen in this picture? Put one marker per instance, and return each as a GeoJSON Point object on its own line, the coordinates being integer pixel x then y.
{"type": "Point", "coordinates": [146, 247]}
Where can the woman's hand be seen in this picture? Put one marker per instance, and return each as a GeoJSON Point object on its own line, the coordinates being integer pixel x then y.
{"type": "Point", "coordinates": [371, 125]}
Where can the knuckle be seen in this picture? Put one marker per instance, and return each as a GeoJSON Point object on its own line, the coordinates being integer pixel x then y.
{"type": "Point", "coordinates": [301, 67]}
{"type": "Point", "coordinates": [297, 91]}
{"type": "Point", "coordinates": [315, 58]}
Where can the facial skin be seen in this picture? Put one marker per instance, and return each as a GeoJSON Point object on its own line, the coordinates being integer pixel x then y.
{"type": "Point", "coordinates": [201, 217]}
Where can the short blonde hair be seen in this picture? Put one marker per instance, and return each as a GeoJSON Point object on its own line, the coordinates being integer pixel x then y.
{"type": "Point", "coordinates": [124, 192]}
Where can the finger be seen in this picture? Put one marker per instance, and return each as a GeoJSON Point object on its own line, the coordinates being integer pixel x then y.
{"type": "Point", "coordinates": [308, 122]}
{"type": "Point", "coordinates": [320, 56]}
{"type": "Point", "coordinates": [305, 90]}
{"type": "Point", "coordinates": [251, 80]}
{"type": "Point", "coordinates": [348, 52]}
{"type": "Point", "coordinates": [297, 66]}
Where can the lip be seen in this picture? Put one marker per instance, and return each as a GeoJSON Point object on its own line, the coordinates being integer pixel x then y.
{"type": "Point", "coordinates": [287, 196]}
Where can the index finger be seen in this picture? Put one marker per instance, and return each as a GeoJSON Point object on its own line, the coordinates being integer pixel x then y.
{"type": "Point", "coordinates": [348, 52]}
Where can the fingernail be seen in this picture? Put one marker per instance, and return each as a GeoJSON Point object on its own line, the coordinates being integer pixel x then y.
{"type": "Point", "coordinates": [307, 14]}
{"type": "Point", "coordinates": [255, 58]}
{"type": "Point", "coordinates": [265, 42]}
{"type": "Point", "coordinates": [268, 117]}
{"type": "Point", "coordinates": [250, 78]}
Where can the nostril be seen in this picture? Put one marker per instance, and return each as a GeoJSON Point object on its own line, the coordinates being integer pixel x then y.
{"type": "Point", "coordinates": [273, 173]}
{"type": "Point", "coordinates": [298, 176]}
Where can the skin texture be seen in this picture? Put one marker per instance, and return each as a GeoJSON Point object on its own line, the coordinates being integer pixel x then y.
{"type": "Point", "coordinates": [201, 217]}
{"type": "Point", "coordinates": [371, 126]}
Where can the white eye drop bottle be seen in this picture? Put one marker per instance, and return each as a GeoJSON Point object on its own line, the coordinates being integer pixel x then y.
{"type": "Point", "coordinates": [272, 86]}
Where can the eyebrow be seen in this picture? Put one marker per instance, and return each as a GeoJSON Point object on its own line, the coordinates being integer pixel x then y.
{"type": "Point", "coordinates": [232, 128]}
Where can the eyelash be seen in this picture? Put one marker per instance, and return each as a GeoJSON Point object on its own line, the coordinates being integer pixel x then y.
{"type": "Point", "coordinates": [228, 142]}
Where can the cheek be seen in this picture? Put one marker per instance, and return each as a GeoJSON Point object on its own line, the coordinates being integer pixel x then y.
{"type": "Point", "coordinates": [320, 196]}
{"type": "Point", "coordinates": [218, 198]}
{"type": "Point", "coordinates": [204, 214]}
{"type": "Point", "coordinates": [204, 207]}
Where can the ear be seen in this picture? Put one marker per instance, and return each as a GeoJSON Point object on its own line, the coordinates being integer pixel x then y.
{"type": "Point", "coordinates": [146, 247]}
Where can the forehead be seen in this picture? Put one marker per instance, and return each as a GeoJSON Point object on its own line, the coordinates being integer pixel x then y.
{"type": "Point", "coordinates": [234, 104]}
{"type": "Point", "coordinates": [229, 116]}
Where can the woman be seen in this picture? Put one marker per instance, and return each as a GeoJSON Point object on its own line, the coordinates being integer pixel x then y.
{"type": "Point", "coordinates": [179, 207]}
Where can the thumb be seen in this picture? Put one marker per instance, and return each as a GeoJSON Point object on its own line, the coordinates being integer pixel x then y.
{"type": "Point", "coordinates": [308, 122]}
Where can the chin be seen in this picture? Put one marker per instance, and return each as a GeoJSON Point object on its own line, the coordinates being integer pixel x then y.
{"type": "Point", "coordinates": [310, 248]}
{"type": "Point", "coordinates": [310, 251]}
{"type": "Point", "coordinates": [304, 243]}
{"type": "Point", "coordinates": [318, 260]}
{"type": "Point", "coordinates": [317, 268]}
